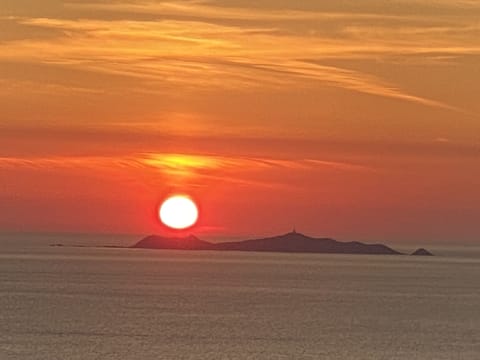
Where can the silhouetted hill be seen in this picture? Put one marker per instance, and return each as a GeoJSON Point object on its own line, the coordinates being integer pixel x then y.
{"type": "Point", "coordinates": [177, 243]}
{"type": "Point", "coordinates": [292, 242]}
{"type": "Point", "coordinates": [296, 242]}
{"type": "Point", "coordinates": [421, 252]}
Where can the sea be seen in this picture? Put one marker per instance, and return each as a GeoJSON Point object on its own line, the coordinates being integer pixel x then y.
{"type": "Point", "coordinates": [63, 302]}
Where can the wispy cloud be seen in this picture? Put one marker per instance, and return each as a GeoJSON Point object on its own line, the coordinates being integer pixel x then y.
{"type": "Point", "coordinates": [190, 48]}
{"type": "Point", "coordinates": [468, 4]}
{"type": "Point", "coordinates": [352, 80]}
{"type": "Point", "coordinates": [8, 87]}
{"type": "Point", "coordinates": [209, 10]}
{"type": "Point", "coordinates": [186, 162]}
{"type": "Point", "coordinates": [176, 164]}
{"type": "Point", "coordinates": [59, 162]}
{"type": "Point", "coordinates": [189, 170]}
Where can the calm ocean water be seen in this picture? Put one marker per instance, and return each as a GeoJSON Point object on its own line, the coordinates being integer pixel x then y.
{"type": "Point", "coordinates": [92, 303]}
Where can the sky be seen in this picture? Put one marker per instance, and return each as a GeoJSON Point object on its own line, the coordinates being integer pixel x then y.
{"type": "Point", "coordinates": [357, 120]}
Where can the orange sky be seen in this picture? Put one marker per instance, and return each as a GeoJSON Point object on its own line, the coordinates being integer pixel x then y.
{"type": "Point", "coordinates": [355, 120]}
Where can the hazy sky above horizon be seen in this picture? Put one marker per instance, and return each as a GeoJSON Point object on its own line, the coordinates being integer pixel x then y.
{"type": "Point", "coordinates": [351, 119]}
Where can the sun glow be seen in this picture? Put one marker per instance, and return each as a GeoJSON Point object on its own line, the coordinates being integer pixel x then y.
{"type": "Point", "coordinates": [178, 212]}
{"type": "Point", "coordinates": [181, 164]}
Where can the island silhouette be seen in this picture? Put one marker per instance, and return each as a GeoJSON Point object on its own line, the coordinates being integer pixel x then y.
{"type": "Point", "coordinates": [422, 252]}
{"type": "Point", "coordinates": [292, 242]}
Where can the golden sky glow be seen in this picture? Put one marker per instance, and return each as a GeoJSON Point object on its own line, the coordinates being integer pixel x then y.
{"type": "Point", "coordinates": [358, 120]}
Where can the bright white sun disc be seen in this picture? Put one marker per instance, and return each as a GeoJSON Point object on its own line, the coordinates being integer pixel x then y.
{"type": "Point", "coordinates": [179, 212]}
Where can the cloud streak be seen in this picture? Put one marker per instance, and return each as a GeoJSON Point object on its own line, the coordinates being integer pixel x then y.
{"type": "Point", "coordinates": [194, 171]}
{"type": "Point", "coordinates": [208, 10]}
{"type": "Point", "coordinates": [191, 49]}
{"type": "Point", "coordinates": [176, 164]}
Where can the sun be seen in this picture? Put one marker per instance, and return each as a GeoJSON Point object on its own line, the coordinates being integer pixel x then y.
{"type": "Point", "coordinates": [179, 212]}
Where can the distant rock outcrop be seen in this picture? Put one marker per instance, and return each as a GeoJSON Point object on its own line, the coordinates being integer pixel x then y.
{"type": "Point", "coordinates": [421, 252]}
{"type": "Point", "coordinates": [175, 243]}
{"type": "Point", "coordinates": [292, 242]}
